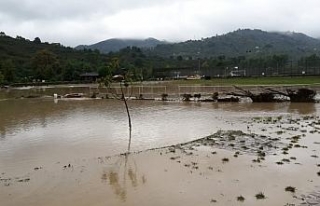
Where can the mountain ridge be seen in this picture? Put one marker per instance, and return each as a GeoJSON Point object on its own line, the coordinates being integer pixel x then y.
{"type": "Point", "coordinates": [116, 44]}
{"type": "Point", "coordinates": [243, 42]}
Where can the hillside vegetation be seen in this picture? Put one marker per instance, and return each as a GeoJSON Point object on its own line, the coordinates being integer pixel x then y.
{"type": "Point", "coordinates": [253, 43]}
{"type": "Point", "coordinates": [25, 60]}
{"type": "Point", "coordinates": [115, 45]}
{"type": "Point", "coordinates": [252, 52]}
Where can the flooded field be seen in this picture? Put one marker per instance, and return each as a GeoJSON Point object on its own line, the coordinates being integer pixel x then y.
{"type": "Point", "coordinates": [68, 152]}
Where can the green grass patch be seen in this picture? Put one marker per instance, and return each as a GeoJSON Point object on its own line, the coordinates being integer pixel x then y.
{"type": "Point", "coordinates": [254, 81]}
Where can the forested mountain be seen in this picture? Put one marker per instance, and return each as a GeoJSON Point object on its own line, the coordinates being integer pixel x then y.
{"type": "Point", "coordinates": [254, 51]}
{"type": "Point", "coordinates": [244, 43]}
{"type": "Point", "coordinates": [114, 45]}
{"type": "Point", "coordinates": [25, 60]}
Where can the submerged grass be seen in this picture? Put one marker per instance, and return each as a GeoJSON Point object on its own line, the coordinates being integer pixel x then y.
{"type": "Point", "coordinates": [290, 189]}
{"type": "Point", "coordinates": [240, 198]}
{"type": "Point", "coordinates": [224, 160]}
{"type": "Point", "coordinates": [260, 196]}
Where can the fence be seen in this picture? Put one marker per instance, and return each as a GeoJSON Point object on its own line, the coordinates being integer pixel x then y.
{"type": "Point", "coordinates": [176, 91]}
{"type": "Point", "coordinates": [138, 91]}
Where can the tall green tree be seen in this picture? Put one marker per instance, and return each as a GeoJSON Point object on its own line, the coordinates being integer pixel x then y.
{"type": "Point", "coordinates": [8, 69]}
{"type": "Point", "coordinates": [1, 78]}
{"type": "Point", "coordinates": [45, 65]}
{"type": "Point", "coordinates": [37, 40]}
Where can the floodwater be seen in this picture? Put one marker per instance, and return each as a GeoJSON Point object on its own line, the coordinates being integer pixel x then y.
{"type": "Point", "coordinates": [40, 137]}
{"type": "Point", "coordinates": [35, 131]}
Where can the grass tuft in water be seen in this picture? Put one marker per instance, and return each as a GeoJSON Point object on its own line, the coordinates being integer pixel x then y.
{"type": "Point", "coordinates": [224, 160]}
{"type": "Point", "coordinates": [240, 198]}
{"type": "Point", "coordinates": [260, 196]}
{"type": "Point", "coordinates": [290, 189]}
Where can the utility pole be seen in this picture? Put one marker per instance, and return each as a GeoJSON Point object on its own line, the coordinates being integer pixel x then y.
{"type": "Point", "coordinates": [291, 68]}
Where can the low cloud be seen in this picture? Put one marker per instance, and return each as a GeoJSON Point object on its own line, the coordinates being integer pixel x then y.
{"type": "Point", "coordinates": [74, 22]}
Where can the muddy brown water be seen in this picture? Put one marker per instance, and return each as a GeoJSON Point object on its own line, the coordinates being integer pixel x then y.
{"type": "Point", "coordinates": [39, 138]}
{"type": "Point", "coordinates": [34, 131]}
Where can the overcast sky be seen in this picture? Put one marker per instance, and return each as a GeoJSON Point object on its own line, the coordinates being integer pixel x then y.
{"type": "Point", "coordinates": [74, 22]}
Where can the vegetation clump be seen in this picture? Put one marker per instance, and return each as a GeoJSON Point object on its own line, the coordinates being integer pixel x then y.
{"type": "Point", "coordinates": [164, 97]}
{"type": "Point", "coordinates": [224, 160]}
{"type": "Point", "coordinates": [290, 189]}
{"type": "Point", "coordinates": [186, 97]}
{"type": "Point", "coordinates": [260, 196]}
{"type": "Point", "coordinates": [240, 198]}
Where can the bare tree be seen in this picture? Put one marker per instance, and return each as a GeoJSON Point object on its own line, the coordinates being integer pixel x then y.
{"type": "Point", "coordinates": [122, 79]}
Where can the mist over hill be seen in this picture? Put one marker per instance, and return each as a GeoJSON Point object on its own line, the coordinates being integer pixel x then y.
{"type": "Point", "coordinates": [256, 51]}
{"type": "Point", "coordinates": [244, 42]}
{"type": "Point", "coordinates": [114, 45]}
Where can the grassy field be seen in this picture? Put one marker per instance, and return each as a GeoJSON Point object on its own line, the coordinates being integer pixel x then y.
{"type": "Point", "coordinates": [307, 80]}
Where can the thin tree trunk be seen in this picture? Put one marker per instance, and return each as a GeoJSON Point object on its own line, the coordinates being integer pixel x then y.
{"type": "Point", "coordinates": [129, 117]}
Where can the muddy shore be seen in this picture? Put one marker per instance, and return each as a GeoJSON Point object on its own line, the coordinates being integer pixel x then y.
{"type": "Point", "coordinates": [274, 161]}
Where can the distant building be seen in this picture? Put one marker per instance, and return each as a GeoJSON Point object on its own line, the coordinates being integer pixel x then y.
{"type": "Point", "coordinates": [89, 76]}
{"type": "Point", "coordinates": [175, 73]}
{"type": "Point", "coordinates": [238, 73]}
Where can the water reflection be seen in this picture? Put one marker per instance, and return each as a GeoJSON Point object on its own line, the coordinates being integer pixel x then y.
{"type": "Point", "coordinates": [123, 171]}
{"type": "Point", "coordinates": [37, 131]}
{"type": "Point", "coordinates": [2, 132]}
{"type": "Point", "coordinates": [26, 114]}
{"type": "Point", "coordinates": [118, 184]}
{"type": "Point", "coordinates": [299, 108]}
{"type": "Point", "coordinates": [302, 108]}
{"type": "Point", "coordinates": [119, 188]}
{"type": "Point", "coordinates": [249, 107]}
{"type": "Point", "coordinates": [13, 93]}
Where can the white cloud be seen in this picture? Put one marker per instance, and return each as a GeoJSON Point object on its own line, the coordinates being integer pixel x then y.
{"type": "Point", "coordinates": [74, 22]}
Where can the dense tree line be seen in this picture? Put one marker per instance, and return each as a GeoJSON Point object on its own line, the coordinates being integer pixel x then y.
{"type": "Point", "coordinates": [246, 42]}
{"type": "Point", "coordinates": [23, 60]}
{"type": "Point", "coordinates": [266, 65]}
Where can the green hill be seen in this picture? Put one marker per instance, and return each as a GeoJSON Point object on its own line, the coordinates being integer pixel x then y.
{"type": "Point", "coordinates": [25, 60]}
{"type": "Point", "coordinates": [254, 51]}
{"type": "Point", "coordinates": [244, 42]}
{"type": "Point", "coordinates": [115, 45]}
